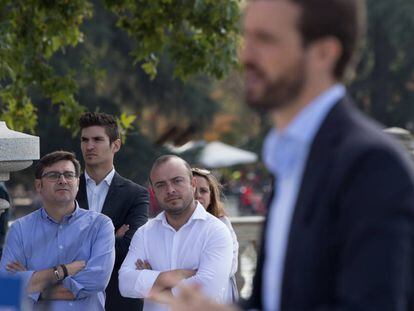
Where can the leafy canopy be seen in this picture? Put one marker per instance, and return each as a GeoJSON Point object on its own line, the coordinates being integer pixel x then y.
{"type": "Point", "coordinates": [199, 36]}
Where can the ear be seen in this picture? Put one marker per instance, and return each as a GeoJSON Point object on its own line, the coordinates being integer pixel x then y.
{"type": "Point", "coordinates": [77, 184]}
{"type": "Point", "coordinates": [325, 54]}
{"type": "Point", "coordinates": [38, 185]}
{"type": "Point", "coordinates": [194, 183]}
{"type": "Point", "coordinates": [116, 145]}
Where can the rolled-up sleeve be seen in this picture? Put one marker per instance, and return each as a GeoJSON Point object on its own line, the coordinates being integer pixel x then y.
{"type": "Point", "coordinates": [95, 276]}
{"type": "Point", "coordinates": [14, 251]}
{"type": "Point", "coordinates": [215, 265]}
{"type": "Point", "coordinates": [135, 283]}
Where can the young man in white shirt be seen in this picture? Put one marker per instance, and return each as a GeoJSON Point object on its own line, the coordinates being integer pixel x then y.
{"type": "Point", "coordinates": [182, 245]}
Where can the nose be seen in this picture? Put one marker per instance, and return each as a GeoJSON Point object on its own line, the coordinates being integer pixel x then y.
{"type": "Point", "coordinates": [170, 188]}
{"type": "Point", "coordinates": [197, 194]}
{"type": "Point", "coordinates": [62, 179]}
{"type": "Point", "coordinates": [90, 145]}
{"type": "Point", "coordinates": [246, 51]}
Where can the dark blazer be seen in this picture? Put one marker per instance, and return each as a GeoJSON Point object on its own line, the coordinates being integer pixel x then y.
{"type": "Point", "coordinates": [350, 245]}
{"type": "Point", "coordinates": [125, 203]}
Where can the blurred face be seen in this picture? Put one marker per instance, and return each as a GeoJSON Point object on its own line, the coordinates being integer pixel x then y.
{"type": "Point", "coordinates": [96, 148]}
{"type": "Point", "coordinates": [173, 187]}
{"type": "Point", "coordinates": [202, 194]}
{"type": "Point", "coordinates": [273, 56]}
{"type": "Point", "coordinates": [60, 191]}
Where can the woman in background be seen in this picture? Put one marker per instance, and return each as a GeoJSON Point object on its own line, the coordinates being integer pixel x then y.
{"type": "Point", "coordinates": [208, 193]}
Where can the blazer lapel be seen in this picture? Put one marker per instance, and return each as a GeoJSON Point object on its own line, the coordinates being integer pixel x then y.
{"type": "Point", "coordinates": [110, 205]}
{"type": "Point", "coordinates": [81, 197]}
{"type": "Point", "coordinates": [319, 164]}
{"type": "Point", "coordinates": [318, 171]}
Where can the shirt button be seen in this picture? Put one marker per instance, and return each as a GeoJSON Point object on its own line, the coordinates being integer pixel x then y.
{"type": "Point", "coordinates": [70, 304]}
{"type": "Point", "coordinates": [61, 246]}
{"type": "Point", "coordinates": [60, 227]}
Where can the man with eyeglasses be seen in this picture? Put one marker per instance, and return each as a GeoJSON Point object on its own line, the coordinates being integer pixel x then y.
{"type": "Point", "coordinates": [63, 254]}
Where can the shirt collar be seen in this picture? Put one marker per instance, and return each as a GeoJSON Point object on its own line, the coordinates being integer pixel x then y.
{"type": "Point", "coordinates": [199, 213]}
{"type": "Point", "coordinates": [68, 218]}
{"type": "Point", "coordinates": [108, 178]}
{"type": "Point", "coordinates": [282, 150]}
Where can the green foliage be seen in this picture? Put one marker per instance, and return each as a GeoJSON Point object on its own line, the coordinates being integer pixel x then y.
{"type": "Point", "coordinates": [199, 36]}
{"type": "Point", "coordinates": [31, 32]}
{"type": "Point", "coordinates": [125, 123]}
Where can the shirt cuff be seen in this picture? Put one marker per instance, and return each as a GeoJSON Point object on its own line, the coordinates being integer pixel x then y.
{"type": "Point", "coordinates": [34, 296]}
{"type": "Point", "coordinates": [72, 285]}
{"type": "Point", "coordinates": [145, 281]}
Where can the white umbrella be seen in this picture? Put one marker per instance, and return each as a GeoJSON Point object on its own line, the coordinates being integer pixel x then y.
{"type": "Point", "coordinates": [217, 154]}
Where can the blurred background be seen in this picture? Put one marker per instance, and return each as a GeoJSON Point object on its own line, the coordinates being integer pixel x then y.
{"type": "Point", "coordinates": [169, 71]}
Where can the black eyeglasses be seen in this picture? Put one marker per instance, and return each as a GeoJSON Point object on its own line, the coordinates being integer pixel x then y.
{"type": "Point", "coordinates": [54, 176]}
{"type": "Point", "coordinates": [200, 171]}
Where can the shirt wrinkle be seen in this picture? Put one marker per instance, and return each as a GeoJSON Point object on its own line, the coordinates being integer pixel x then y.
{"type": "Point", "coordinates": [184, 249]}
{"type": "Point", "coordinates": [62, 244]}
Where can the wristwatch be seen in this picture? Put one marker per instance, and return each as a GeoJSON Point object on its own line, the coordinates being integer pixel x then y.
{"type": "Point", "coordinates": [57, 274]}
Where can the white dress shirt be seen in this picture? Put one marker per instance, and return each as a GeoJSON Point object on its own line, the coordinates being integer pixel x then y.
{"type": "Point", "coordinates": [232, 295]}
{"type": "Point", "coordinates": [96, 193]}
{"type": "Point", "coordinates": [204, 244]}
{"type": "Point", "coordinates": [285, 154]}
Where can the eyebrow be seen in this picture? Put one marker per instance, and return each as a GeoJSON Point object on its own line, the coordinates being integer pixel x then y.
{"type": "Point", "coordinates": [164, 181]}
{"type": "Point", "coordinates": [94, 137]}
{"type": "Point", "coordinates": [158, 183]}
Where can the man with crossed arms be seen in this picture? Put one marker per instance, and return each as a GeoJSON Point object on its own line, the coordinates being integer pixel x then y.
{"type": "Point", "coordinates": [182, 245]}
{"type": "Point", "coordinates": [63, 254]}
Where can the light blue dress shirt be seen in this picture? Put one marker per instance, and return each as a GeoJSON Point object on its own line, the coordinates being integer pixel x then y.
{"type": "Point", "coordinates": [285, 154]}
{"type": "Point", "coordinates": [39, 242]}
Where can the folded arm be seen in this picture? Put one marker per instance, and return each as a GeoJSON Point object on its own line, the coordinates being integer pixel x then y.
{"type": "Point", "coordinates": [46, 282]}
{"type": "Point", "coordinates": [137, 216]}
{"type": "Point", "coordinates": [215, 265]}
{"type": "Point", "coordinates": [95, 276]}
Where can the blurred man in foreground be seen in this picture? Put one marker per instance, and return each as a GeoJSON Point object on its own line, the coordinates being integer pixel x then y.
{"type": "Point", "coordinates": [340, 227]}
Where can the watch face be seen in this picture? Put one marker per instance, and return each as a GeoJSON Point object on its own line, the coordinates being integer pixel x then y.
{"type": "Point", "coordinates": [56, 272]}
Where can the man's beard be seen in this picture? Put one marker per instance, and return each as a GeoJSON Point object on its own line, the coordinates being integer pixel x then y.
{"type": "Point", "coordinates": [177, 210]}
{"type": "Point", "coordinates": [278, 93]}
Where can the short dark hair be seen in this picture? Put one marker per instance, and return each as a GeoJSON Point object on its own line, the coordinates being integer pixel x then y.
{"type": "Point", "coordinates": [165, 158]}
{"type": "Point", "coordinates": [107, 121]}
{"type": "Point", "coordinates": [54, 157]}
{"type": "Point", "coordinates": [342, 19]}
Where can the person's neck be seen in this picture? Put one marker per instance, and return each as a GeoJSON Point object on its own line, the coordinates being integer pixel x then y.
{"type": "Point", "coordinates": [284, 116]}
{"type": "Point", "coordinates": [57, 212]}
{"type": "Point", "coordinates": [98, 173]}
{"type": "Point", "coordinates": [177, 221]}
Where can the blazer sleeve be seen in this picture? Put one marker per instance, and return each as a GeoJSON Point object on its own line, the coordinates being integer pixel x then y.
{"type": "Point", "coordinates": [137, 215]}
